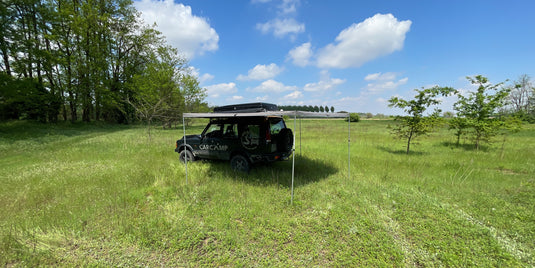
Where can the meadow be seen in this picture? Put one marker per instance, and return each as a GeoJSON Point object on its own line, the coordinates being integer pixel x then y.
{"type": "Point", "coordinates": [103, 195]}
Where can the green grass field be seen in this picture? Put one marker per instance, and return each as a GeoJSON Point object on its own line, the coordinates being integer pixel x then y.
{"type": "Point", "coordinates": [100, 195]}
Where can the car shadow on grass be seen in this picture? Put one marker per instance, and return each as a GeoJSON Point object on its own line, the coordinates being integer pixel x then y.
{"type": "Point", "coordinates": [307, 170]}
{"type": "Point", "coordinates": [400, 152]}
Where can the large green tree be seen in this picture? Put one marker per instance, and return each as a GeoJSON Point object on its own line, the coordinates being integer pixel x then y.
{"type": "Point", "coordinates": [84, 53]}
{"type": "Point", "coordinates": [416, 123]}
{"type": "Point", "coordinates": [480, 109]}
{"type": "Point", "coordinates": [158, 90]}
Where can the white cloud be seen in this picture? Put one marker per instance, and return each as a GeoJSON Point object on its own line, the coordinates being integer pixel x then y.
{"type": "Point", "coordinates": [236, 98]}
{"type": "Point", "coordinates": [192, 35]}
{"type": "Point", "coordinates": [205, 78]}
{"type": "Point", "coordinates": [263, 98]}
{"type": "Point", "coordinates": [381, 101]}
{"type": "Point", "coordinates": [294, 95]}
{"type": "Point", "coordinates": [301, 55]}
{"type": "Point", "coordinates": [359, 43]}
{"type": "Point", "coordinates": [273, 86]}
{"type": "Point", "coordinates": [324, 85]}
{"type": "Point", "coordinates": [192, 71]}
{"type": "Point", "coordinates": [214, 91]}
{"type": "Point", "coordinates": [196, 72]}
{"type": "Point", "coordinates": [261, 72]}
{"type": "Point", "coordinates": [381, 76]}
{"type": "Point", "coordinates": [383, 82]}
{"type": "Point", "coordinates": [281, 27]}
{"type": "Point", "coordinates": [288, 6]}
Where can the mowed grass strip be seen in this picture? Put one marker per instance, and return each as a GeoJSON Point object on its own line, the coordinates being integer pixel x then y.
{"type": "Point", "coordinates": [86, 195]}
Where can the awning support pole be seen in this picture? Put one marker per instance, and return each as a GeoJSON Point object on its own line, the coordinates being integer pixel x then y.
{"type": "Point", "coordinates": [300, 119]}
{"type": "Point", "coordinates": [293, 161]}
{"type": "Point", "coordinates": [185, 148]}
{"type": "Point", "coordinates": [349, 146]}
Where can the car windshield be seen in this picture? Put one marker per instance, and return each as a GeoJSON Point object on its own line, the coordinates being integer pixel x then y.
{"type": "Point", "coordinates": [213, 130]}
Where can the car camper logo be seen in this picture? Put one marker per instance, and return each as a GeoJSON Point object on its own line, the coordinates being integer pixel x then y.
{"type": "Point", "coordinates": [213, 147]}
{"type": "Point", "coordinates": [249, 140]}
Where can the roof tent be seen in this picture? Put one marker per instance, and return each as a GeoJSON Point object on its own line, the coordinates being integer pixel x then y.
{"type": "Point", "coordinates": [247, 107]}
{"type": "Point", "coordinates": [266, 109]}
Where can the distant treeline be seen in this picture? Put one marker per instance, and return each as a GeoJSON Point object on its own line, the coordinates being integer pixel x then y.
{"type": "Point", "coordinates": [307, 108]}
{"type": "Point", "coordinates": [89, 60]}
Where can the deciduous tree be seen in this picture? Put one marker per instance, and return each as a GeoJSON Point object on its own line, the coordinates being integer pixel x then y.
{"type": "Point", "coordinates": [416, 123]}
{"type": "Point", "coordinates": [157, 88]}
{"type": "Point", "coordinates": [480, 108]}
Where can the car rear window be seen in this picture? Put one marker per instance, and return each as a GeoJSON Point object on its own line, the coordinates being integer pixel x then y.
{"type": "Point", "coordinates": [276, 125]}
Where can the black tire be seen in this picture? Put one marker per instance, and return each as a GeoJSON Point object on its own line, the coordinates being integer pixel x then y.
{"type": "Point", "coordinates": [240, 163]}
{"type": "Point", "coordinates": [184, 154]}
{"type": "Point", "coordinates": [285, 140]}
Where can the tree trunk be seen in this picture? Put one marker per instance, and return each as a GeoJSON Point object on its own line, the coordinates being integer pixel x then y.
{"type": "Point", "coordinates": [5, 55]}
{"type": "Point", "coordinates": [37, 47]}
{"type": "Point", "coordinates": [478, 138]}
{"type": "Point", "coordinates": [409, 142]}
{"type": "Point", "coordinates": [72, 97]}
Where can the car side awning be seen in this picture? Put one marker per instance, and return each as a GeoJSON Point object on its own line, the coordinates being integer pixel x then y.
{"type": "Point", "coordinates": [298, 114]}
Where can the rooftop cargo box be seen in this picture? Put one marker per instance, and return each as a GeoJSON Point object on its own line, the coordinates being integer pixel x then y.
{"type": "Point", "coordinates": [247, 108]}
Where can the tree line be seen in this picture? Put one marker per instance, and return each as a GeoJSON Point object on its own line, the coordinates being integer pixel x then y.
{"type": "Point", "coordinates": [307, 108]}
{"type": "Point", "coordinates": [480, 115]}
{"type": "Point", "coordinates": [89, 60]}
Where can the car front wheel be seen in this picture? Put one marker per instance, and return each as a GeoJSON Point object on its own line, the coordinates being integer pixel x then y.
{"type": "Point", "coordinates": [240, 163]}
{"type": "Point", "coordinates": [186, 154]}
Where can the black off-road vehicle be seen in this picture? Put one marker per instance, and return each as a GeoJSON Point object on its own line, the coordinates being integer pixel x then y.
{"type": "Point", "coordinates": [243, 140]}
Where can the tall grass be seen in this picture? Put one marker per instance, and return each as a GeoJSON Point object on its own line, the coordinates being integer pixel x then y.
{"type": "Point", "coordinates": [85, 195]}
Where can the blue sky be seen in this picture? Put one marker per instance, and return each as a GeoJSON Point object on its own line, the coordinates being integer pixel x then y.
{"type": "Point", "coordinates": [353, 55]}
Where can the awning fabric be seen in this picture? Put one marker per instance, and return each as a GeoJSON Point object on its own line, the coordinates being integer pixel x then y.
{"type": "Point", "coordinates": [298, 114]}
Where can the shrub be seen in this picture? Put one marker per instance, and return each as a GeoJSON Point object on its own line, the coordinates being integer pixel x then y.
{"type": "Point", "coordinates": [354, 117]}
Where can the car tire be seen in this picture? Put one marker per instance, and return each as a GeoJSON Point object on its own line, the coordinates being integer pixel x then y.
{"type": "Point", "coordinates": [285, 141]}
{"type": "Point", "coordinates": [184, 154]}
{"type": "Point", "coordinates": [240, 163]}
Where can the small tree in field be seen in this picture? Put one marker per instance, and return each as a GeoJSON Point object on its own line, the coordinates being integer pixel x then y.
{"type": "Point", "coordinates": [415, 123]}
{"type": "Point", "coordinates": [479, 109]}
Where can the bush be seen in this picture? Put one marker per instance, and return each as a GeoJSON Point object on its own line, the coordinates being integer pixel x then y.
{"type": "Point", "coordinates": [25, 98]}
{"type": "Point", "coordinates": [354, 117]}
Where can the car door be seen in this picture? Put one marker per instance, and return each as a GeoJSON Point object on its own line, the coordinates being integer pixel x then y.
{"type": "Point", "coordinates": [211, 141]}
{"type": "Point", "coordinates": [230, 142]}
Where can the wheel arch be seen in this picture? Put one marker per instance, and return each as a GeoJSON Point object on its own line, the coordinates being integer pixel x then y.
{"type": "Point", "coordinates": [185, 146]}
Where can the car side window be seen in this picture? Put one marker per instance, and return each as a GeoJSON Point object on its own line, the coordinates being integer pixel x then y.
{"type": "Point", "coordinates": [230, 131]}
